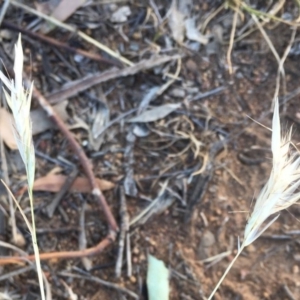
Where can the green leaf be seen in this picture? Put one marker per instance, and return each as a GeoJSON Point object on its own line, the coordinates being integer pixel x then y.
{"type": "Point", "coordinates": [157, 279]}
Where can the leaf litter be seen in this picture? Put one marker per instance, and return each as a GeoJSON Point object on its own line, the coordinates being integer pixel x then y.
{"type": "Point", "coordinates": [178, 146]}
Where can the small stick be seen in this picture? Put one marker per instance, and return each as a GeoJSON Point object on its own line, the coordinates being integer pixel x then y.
{"type": "Point", "coordinates": [4, 10]}
{"type": "Point", "coordinates": [58, 43]}
{"type": "Point", "coordinates": [49, 210]}
{"type": "Point", "coordinates": [82, 84]}
{"type": "Point", "coordinates": [288, 292]}
{"type": "Point", "coordinates": [123, 231]}
{"type": "Point", "coordinates": [60, 255]}
{"type": "Point", "coordinates": [17, 272]}
{"type": "Point", "coordinates": [82, 238]}
{"type": "Point", "coordinates": [128, 254]}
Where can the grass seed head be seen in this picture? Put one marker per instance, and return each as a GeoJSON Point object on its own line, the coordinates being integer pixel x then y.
{"type": "Point", "coordinates": [19, 100]}
{"type": "Point", "coordinates": [280, 191]}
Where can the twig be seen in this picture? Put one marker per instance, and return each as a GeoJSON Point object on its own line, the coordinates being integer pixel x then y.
{"type": "Point", "coordinates": [12, 247]}
{"type": "Point", "coordinates": [57, 43]}
{"type": "Point", "coordinates": [156, 11]}
{"type": "Point", "coordinates": [3, 230]}
{"type": "Point", "coordinates": [59, 255]}
{"type": "Point", "coordinates": [103, 282]}
{"type": "Point", "coordinates": [128, 254]}
{"type": "Point", "coordinates": [123, 231]}
{"type": "Point", "coordinates": [215, 91]}
{"type": "Point", "coordinates": [130, 188]}
{"type": "Point", "coordinates": [87, 263]}
{"type": "Point", "coordinates": [3, 10]}
{"type": "Point", "coordinates": [288, 292]}
{"type": "Point", "coordinates": [80, 85]}
{"type": "Point", "coordinates": [16, 272]}
{"type": "Point", "coordinates": [66, 186]}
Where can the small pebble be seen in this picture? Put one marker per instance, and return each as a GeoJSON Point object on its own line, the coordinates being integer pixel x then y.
{"type": "Point", "coordinates": [191, 66]}
{"type": "Point", "coordinates": [178, 93]}
{"type": "Point", "coordinates": [132, 279]}
{"type": "Point", "coordinates": [208, 239]}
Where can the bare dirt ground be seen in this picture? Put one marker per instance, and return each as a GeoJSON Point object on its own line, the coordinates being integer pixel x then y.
{"type": "Point", "coordinates": [203, 161]}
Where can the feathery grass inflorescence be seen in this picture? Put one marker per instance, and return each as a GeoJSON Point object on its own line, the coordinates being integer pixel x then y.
{"type": "Point", "coordinates": [19, 100]}
{"type": "Point", "coordinates": [280, 191]}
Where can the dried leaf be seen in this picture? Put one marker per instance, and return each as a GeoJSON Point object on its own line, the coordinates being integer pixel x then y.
{"type": "Point", "coordinates": [148, 97]}
{"type": "Point", "coordinates": [121, 15]}
{"type": "Point", "coordinates": [140, 130]}
{"type": "Point", "coordinates": [155, 114]}
{"type": "Point", "coordinates": [40, 120]}
{"type": "Point", "coordinates": [7, 130]}
{"type": "Point", "coordinates": [176, 23]}
{"type": "Point", "coordinates": [54, 182]}
{"type": "Point", "coordinates": [192, 33]}
{"type": "Point", "coordinates": [157, 279]}
{"type": "Point", "coordinates": [101, 119]}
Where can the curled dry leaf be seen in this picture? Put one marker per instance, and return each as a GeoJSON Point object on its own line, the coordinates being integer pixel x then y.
{"type": "Point", "coordinates": [54, 182]}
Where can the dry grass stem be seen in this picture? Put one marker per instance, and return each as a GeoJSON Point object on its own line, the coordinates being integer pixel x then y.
{"type": "Point", "coordinates": [231, 41]}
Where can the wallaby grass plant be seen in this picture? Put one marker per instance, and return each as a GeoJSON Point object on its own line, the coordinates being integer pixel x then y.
{"type": "Point", "coordinates": [280, 191]}
{"type": "Point", "coordinates": [19, 100]}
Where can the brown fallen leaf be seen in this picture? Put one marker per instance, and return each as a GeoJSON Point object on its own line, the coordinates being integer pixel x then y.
{"type": "Point", "coordinates": [54, 182]}
{"type": "Point", "coordinates": [7, 130]}
{"type": "Point", "coordinates": [40, 123]}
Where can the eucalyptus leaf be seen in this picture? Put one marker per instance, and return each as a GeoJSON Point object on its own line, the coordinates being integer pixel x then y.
{"type": "Point", "coordinates": [155, 113]}
{"type": "Point", "coordinates": [157, 279]}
